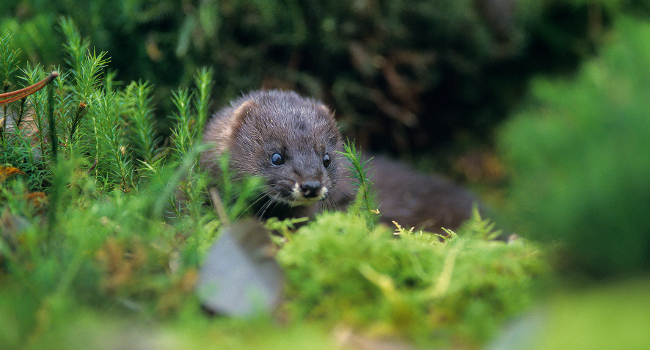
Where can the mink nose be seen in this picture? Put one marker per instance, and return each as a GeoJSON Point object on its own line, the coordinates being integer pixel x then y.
{"type": "Point", "coordinates": [310, 188]}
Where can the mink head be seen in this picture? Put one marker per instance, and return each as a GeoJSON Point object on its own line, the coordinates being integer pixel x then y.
{"type": "Point", "coordinates": [289, 141]}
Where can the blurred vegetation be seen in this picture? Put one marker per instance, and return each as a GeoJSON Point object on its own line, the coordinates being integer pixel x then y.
{"type": "Point", "coordinates": [578, 321]}
{"type": "Point", "coordinates": [580, 155]}
{"type": "Point", "coordinates": [403, 76]}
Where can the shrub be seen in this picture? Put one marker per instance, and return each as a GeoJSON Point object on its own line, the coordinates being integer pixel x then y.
{"type": "Point", "coordinates": [580, 158]}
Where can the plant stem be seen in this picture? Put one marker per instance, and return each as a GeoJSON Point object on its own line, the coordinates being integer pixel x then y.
{"type": "Point", "coordinates": [50, 112]}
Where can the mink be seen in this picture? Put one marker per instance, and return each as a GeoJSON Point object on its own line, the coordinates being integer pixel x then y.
{"type": "Point", "coordinates": [293, 143]}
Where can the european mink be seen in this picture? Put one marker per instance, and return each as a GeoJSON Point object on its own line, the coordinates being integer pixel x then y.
{"type": "Point", "coordinates": [293, 142]}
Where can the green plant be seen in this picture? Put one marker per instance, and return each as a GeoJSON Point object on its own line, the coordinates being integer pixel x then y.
{"type": "Point", "coordinates": [364, 201]}
{"type": "Point", "coordinates": [97, 235]}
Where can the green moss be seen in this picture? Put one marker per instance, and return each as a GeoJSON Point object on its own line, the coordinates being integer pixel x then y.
{"type": "Point", "coordinates": [410, 286]}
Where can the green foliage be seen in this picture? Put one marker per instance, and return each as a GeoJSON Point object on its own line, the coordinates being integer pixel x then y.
{"type": "Point", "coordinates": [192, 113]}
{"type": "Point", "coordinates": [183, 118]}
{"type": "Point", "coordinates": [102, 251]}
{"type": "Point", "coordinates": [8, 65]}
{"type": "Point", "coordinates": [16, 134]}
{"type": "Point", "coordinates": [143, 135]}
{"type": "Point", "coordinates": [580, 155]}
{"type": "Point", "coordinates": [204, 84]}
{"type": "Point", "coordinates": [8, 59]}
{"type": "Point", "coordinates": [37, 102]}
{"type": "Point", "coordinates": [95, 239]}
{"type": "Point", "coordinates": [364, 202]}
{"type": "Point", "coordinates": [479, 227]}
{"type": "Point", "coordinates": [414, 285]}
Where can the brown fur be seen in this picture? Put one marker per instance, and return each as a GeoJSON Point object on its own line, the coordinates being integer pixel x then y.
{"type": "Point", "coordinates": [303, 131]}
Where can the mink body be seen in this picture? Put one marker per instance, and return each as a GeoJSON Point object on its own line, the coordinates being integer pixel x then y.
{"type": "Point", "coordinates": [292, 143]}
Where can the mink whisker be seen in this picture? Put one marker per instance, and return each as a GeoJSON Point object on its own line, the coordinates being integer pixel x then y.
{"type": "Point", "coordinates": [260, 197]}
{"type": "Point", "coordinates": [262, 211]}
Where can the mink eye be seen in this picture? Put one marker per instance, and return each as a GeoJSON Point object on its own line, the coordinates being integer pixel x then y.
{"type": "Point", "coordinates": [277, 159]}
{"type": "Point", "coordinates": [326, 160]}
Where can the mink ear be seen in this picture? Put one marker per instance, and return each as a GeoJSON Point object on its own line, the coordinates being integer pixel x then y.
{"type": "Point", "coordinates": [323, 109]}
{"type": "Point", "coordinates": [330, 114]}
{"type": "Point", "coordinates": [244, 111]}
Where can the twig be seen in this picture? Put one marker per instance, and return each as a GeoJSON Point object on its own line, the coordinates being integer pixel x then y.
{"type": "Point", "coordinates": [24, 92]}
{"type": "Point", "coordinates": [218, 206]}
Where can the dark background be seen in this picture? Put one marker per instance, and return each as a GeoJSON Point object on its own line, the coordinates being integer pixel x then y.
{"type": "Point", "coordinates": [405, 77]}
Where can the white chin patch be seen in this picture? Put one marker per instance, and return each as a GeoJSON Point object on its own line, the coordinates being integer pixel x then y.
{"type": "Point", "coordinates": [297, 199]}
